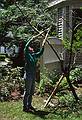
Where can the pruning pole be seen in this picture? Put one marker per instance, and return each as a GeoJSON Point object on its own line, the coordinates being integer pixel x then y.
{"type": "Point", "coordinates": [47, 42]}
{"type": "Point", "coordinates": [43, 43]}
{"type": "Point", "coordinates": [38, 32]}
{"type": "Point", "coordinates": [34, 37]}
{"type": "Point", "coordinates": [55, 90]}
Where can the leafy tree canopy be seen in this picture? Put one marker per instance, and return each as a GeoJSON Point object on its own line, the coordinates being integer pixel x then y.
{"type": "Point", "coordinates": [15, 16]}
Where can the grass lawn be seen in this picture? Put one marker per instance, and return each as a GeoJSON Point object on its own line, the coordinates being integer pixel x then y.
{"type": "Point", "coordinates": [13, 111]}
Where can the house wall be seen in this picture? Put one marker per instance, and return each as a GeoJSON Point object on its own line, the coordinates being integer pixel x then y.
{"type": "Point", "coordinates": [49, 58]}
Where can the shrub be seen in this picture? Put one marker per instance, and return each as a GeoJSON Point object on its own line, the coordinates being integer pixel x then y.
{"type": "Point", "coordinates": [2, 57]}
{"type": "Point", "coordinates": [48, 80]}
{"type": "Point", "coordinates": [10, 82]}
{"type": "Point", "coordinates": [76, 75]}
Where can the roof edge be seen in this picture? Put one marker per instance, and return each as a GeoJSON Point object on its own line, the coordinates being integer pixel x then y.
{"type": "Point", "coordinates": [53, 3]}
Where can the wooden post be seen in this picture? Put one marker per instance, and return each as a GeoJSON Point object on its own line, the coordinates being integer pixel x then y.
{"type": "Point", "coordinates": [55, 90]}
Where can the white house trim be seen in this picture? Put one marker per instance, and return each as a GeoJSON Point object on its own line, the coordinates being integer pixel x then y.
{"type": "Point", "coordinates": [55, 2]}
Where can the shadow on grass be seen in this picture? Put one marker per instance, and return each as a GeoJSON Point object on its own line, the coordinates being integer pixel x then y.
{"type": "Point", "coordinates": [41, 113]}
{"type": "Point", "coordinates": [62, 111]}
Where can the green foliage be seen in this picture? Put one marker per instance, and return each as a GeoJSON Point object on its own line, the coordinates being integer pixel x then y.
{"type": "Point", "coordinates": [10, 81]}
{"type": "Point", "coordinates": [76, 74]}
{"type": "Point", "coordinates": [2, 57]}
{"type": "Point", "coordinates": [48, 80]}
{"type": "Point", "coordinates": [77, 42]}
{"type": "Point", "coordinates": [68, 106]}
{"type": "Point", "coordinates": [64, 84]}
{"type": "Point", "coordinates": [44, 79]}
{"type": "Point", "coordinates": [67, 99]}
{"type": "Point", "coordinates": [53, 77]}
{"type": "Point", "coordinates": [66, 43]}
{"type": "Point", "coordinates": [75, 77]}
{"type": "Point", "coordinates": [78, 39]}
{"type": "Point", "coordinates": [15, 17]}
{"type": "Point", "coordinates": [4, 93]}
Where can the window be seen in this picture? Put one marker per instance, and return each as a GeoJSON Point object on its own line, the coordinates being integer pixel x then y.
{"type": "Point", "coordinates": [2, 49]}
{"type": "Point", "coordinates": [60, 23]}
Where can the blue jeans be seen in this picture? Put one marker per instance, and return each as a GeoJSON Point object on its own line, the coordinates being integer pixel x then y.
{"type": "Point", "coordinates": [29, 88]}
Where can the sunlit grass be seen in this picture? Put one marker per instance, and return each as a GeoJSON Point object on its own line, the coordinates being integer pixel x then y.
{"type": "Point", "coordinates": [13, 111]}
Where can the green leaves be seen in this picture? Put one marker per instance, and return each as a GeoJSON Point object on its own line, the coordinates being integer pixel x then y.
{"type": "Point", "coordinates": [78, 39]}
{"type": "Point", "coordinates": [16, 17]}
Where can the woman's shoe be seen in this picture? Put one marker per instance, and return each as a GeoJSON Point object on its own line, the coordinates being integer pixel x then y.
{"type": "Point", "coordinates": [32, 108]}
{"type": "Point", "coordinates": [28, 110]}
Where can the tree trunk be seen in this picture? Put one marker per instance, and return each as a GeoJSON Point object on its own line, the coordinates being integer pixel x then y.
{"type": "Point", "coordinates": [72, 88]}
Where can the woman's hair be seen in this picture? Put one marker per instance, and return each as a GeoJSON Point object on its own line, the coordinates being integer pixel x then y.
{"type": "Point", "coordinates": [35, 45]}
